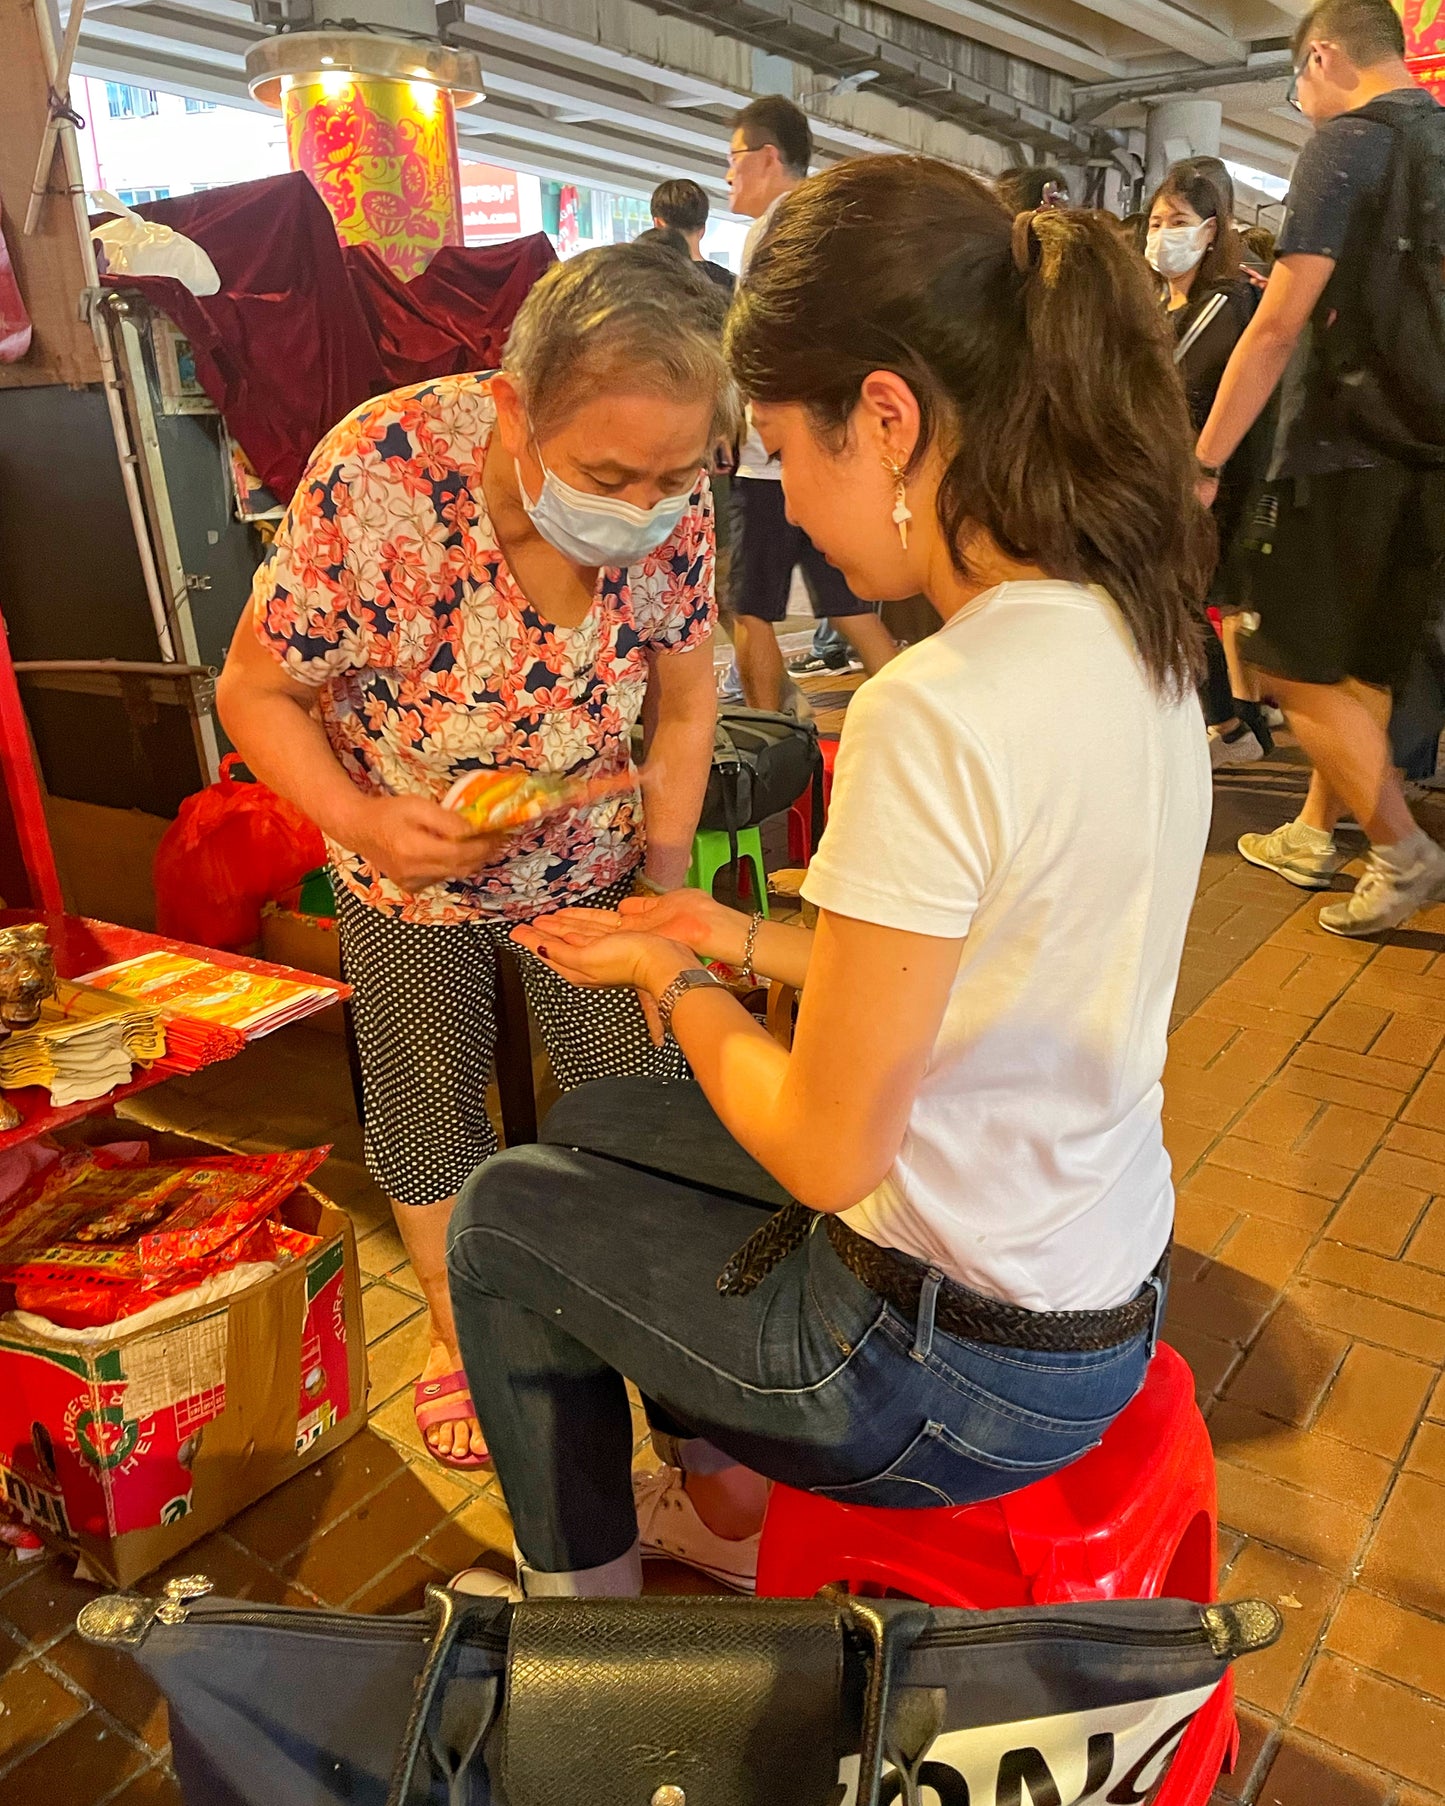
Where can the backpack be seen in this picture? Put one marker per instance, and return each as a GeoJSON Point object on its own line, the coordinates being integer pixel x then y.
{"type": "Point", "coordinates": [761, 764]}
{"type": "Point", "coordinates": [1386, 349]}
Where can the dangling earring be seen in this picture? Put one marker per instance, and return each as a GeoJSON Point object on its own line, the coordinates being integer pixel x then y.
{"type": "Point", "coordinates": [902, 513]}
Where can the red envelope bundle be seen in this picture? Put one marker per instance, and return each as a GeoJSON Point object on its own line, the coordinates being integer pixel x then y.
{"type": "Point", "coordinates": [92, 1239]}
{"type": "Point", "coordinates": [192, 1044]}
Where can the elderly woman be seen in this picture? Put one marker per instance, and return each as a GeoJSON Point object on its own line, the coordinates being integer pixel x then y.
{"type": "Point", "coordinates": [477, 572]}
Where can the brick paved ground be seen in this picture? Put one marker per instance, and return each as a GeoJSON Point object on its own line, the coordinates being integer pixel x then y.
{"type": "Point", "coordinates": [1306, 1117]}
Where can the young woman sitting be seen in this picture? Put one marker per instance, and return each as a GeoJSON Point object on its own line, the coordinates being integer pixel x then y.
{"type": "Point", "coordinates": [964, 1285]}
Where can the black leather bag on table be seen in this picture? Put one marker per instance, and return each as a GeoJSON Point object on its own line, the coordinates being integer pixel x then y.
{"type": "Point", "coordinates": [675, 1701]}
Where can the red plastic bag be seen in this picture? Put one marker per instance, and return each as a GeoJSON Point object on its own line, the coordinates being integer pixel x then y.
{"type": "Point", "coordinates": [233, 847]}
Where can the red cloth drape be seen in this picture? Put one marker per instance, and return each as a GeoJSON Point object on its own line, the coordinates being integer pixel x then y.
{"type": "Point", "coordinates": [302, 332]}
{"type": "Point", "coordinates": [454, 316]}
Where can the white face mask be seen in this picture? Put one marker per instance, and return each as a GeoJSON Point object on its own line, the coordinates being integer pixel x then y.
{"type": "Point", "coordinates": [599, 529]}
{"type": "Point", "coordinates": [1176, 250]}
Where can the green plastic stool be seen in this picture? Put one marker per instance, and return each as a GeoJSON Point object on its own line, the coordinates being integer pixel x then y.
{"type": "Point", "coordinates": [712, 850]}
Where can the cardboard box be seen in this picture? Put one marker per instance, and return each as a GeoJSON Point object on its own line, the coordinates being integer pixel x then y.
{"type": "Point", "coordinates": [309, 944]}
{"type": "Point", "coordinates": [130, 1447]}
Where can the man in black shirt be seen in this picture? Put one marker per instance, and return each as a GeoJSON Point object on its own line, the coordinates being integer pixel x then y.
{"type": "Point", "coordinates": [1346, 543]}
{"type": "Point", "coordinates": [683, 205]}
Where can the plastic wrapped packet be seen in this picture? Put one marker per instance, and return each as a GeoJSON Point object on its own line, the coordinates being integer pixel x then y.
{"type": "Point", "coordinates": [92, 1240]}
{"type": "Point", "coordinates": [498, 802]}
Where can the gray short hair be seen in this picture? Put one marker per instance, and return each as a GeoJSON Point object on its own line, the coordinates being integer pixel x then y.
{"type": "Point", "coordinates": [627, 317]}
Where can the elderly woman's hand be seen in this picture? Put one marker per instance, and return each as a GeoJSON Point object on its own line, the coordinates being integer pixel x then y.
{"type": "Point", "coordinates": [415, 842]}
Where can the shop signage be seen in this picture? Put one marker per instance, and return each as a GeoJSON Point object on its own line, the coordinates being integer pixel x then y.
{"type": "Point", "coordinates": [491, 206]}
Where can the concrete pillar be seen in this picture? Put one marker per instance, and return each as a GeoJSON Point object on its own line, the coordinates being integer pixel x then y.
{"type": "Point", "coordinates": [1177, 128]}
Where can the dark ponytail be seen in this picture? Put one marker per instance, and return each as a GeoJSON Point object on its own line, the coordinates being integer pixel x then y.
{"type": "Point", "coordinates": [1039, 358]}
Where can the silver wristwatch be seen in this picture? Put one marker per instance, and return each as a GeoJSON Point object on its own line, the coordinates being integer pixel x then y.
{"type": "Point", "coordinates": [685, 981]}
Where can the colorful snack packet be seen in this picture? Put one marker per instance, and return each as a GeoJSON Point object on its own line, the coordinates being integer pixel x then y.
{"type": "Point", "coordinates": [499, 802]}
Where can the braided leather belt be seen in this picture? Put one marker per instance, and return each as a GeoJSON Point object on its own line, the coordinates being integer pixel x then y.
{"type": "Point", "coordinates": [899, 1279]}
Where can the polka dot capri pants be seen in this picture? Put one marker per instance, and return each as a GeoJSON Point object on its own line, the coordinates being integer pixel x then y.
{"type": "Point", "coordinates": [424, 1005]}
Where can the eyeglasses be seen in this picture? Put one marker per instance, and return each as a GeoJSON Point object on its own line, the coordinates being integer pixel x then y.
{"type": "Point", "coordinates": [1292, 92]}
{"type": "Point", "coordinates": [748, 150]}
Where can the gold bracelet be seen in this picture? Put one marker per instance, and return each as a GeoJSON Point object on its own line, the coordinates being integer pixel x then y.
{"type": "Point", "coordinates": [749, 975]}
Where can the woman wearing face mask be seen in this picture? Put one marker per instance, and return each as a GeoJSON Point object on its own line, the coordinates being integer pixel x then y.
{"type": "Point", "coordinates": [1193, 247]}
{"type": "Point", "coordinates": [478, 572]}
{"type": "Point", "coordinates": [965, 1290]}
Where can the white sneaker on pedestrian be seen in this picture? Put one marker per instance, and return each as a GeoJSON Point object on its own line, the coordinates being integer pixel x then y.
{"type": "Point", "coordinates": [1304, 856]}
{"type": "Point", "coordinates": [1273, 717]}
{"type": "Point", "coordinates": [1240, 748]}
{"type": "Point", "coordinates": [1396, 882]}
{"type": "Point", "coordinates": [668, 1523]}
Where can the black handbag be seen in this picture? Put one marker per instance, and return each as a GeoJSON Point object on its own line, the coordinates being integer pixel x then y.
{"type": "Point", "coordinates": [761, 764]}
{"type": "Point", "coordinates": [676, 1701]}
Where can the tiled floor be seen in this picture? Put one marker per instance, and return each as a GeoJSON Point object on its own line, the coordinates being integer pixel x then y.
{"type": "Point", "coordinates": [1306, 1117]}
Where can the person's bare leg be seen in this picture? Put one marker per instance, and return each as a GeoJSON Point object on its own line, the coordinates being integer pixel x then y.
{"type": "Point", "coordinates": [1243, 678]}
{"type": "Point", "coordinates": [1323, 808]}
{"type": "Point", "coordinates": [760, 662]}
{"type": "Point", "coordinates": [423, 1230]}
{"type": "Point", "coordinates": [869, 638]}
{"type": "Point", "coordinates": [1342, 728]}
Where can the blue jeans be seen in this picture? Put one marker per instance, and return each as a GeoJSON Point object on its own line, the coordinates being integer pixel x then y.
{"type": "Point", "coordinates": [595, 1253]}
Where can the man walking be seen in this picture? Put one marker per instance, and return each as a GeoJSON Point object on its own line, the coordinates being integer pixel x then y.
{"type": "Point", "coordinates": [1346, 548]}
{"type": "Point", "coordinates": [683, 205]}
{"type": "Point", "coordinates": [772, 145]}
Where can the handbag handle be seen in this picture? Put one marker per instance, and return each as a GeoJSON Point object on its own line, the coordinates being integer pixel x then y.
{"type": "Point", "coordinates": [448, 1614]}
{"type": "Point", "coordinates": [889, 1629]}
{"type": "Point", "coordinates": [1206, 314]}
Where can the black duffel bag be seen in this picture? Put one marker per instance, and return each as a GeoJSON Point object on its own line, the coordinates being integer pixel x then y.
{"type": "Point", "coordinates": [761, 764]}
{"type": "Point", "coordinates": [678, 1701]}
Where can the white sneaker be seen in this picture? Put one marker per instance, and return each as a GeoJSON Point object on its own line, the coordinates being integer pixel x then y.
{"type": "Point", "coordinates": [668, 1524]}
{"type": "Point", "coordinates": [486, 1583]}
{"type": "Point", "coordinates": [1304, 856]}
{"type": "Point", "coordinates": [1243, 749]}
{"type": "Point", "coordinates": [1273, 717]}
{"type": "Point", "coordinates": [1394, 884]}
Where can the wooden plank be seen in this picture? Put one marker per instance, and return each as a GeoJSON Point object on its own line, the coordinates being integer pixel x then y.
{"type": "Point", "coordinates": [49, 265]}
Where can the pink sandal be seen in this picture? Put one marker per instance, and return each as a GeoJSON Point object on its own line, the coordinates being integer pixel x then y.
{"type": "Point", "coordinates": [446, 1399]}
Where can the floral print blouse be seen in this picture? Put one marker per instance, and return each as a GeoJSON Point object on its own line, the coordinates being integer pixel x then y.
{"type": "Point", "coordinates": [387, 591]}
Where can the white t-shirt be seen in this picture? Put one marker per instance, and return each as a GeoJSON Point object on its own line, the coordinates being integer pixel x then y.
{"type": "Point", "coordinates": [753, 459]}
{"type": "Point", "coordinates": [1015, 780]}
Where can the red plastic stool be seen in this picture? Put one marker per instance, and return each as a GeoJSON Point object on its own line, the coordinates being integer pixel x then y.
{"type": "Point", "coordinates": [800, 814]}
{"type": "Point", "coordinates": [800, 829]}
{"type": "Point", "coordinates": [1135, 1518]}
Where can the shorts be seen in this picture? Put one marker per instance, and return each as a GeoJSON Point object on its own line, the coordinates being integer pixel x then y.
{"type": "Point", "coordinates": [423, 1001]}
{"type": "Point", "coordinates": [1343, 570]}
{"type": "Point", "coordinates": [767, 548]}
